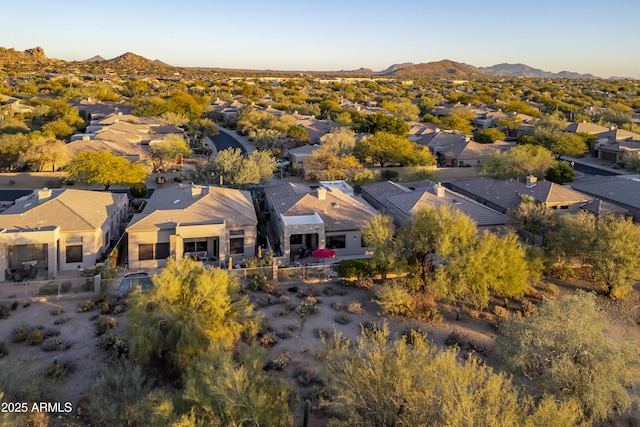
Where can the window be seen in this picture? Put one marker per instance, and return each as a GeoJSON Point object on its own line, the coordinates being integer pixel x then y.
{"type": "Point", "coordinates": [337, 242]}
{"type": "Point", "coordinates": [162, 251]}
{"type": "Point", "coordinates": [145, 251]}
{"type": "Point", "coordinates": [74, 253]}
{"type": "Point", "coordinates": [236, 245]}
{"type": "Point", "coordinates": [295, 239]}
{"type": "Point", "coordinates": [195, 246]}
{"type": "Point", "coordinates": [149, 251]}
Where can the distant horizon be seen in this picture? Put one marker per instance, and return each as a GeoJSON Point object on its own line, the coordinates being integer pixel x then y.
{"type": "Point", "coordinates": [336, 35]}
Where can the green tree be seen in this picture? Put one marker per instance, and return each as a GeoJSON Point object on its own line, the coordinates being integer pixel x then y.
{"type": "Point", "coordinates": [615, 264]}
{"type": "Point", "coordinates": [189, 308]}
{"type": "Point", "coordinates": [378, 122]}
{"type": "Point", "coordinates": [402, 108]}
{"type": "Point", "coordinates": [386, 148]}
{"type": "Point", "coordinates": [435, 234]}
{"type": "Point", "coordinates": [460, 119]}
{"type": "Point", "coordinates": [239, 170]}
{"type": "Point", "coordinates": [382, 382]}
{"type": "Point", "coordinates": [223, 391]}
{"type": "Point", "coordinates": [563, 144]}
{"type": "Point", "coordinates": [42, 151]}
{"type": "Point", "coordinates": [168, 150]}
{"type": "Point", "coordinates": [564, 351]}
{"type": "Point", "coordinates": [492, 266]}
{"type": "Point", "coordinates": [326, 163]}
{"type": "Point", "coordinates": [59, 128]}
{"type": "Point", "coordinates": [105, 168]}
{"type": "Point", "coordinates": [518, 162]}
{"type": "Point", "coordinates": [488, 136]}
{"type": "Point", "coordinates": [561, 173]}
{"type": "Point", "coordinates": [378, 233]}
{"type": "Point", "coordinates": [298, 135]}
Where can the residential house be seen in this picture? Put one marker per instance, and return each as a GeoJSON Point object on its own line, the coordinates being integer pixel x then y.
{"type": "Point", "coordinates": [208, 223]}
{"type": "Point", "coordinates": [503, 195]}
{"type": "Point", "coordinates": [457, 150]}
{"type": "Point", "coordinates": [490, 119]}
{"type": "Point", "coordinates": [297, 154]}
{"type": "Point", "coordinates": [60, 229]}
{"type": "Point", "coordinates": [403, 200]}
{"type": "Point", "coordinates": [585, 127]}
{"type": "Point", "coordinates": [603, 209]}
{"type": "Point", "coordinates": [304, 219]}
{"type": "Point", "coordinates": [614, 144]}
{"type": "Point", "coordinates": [621, 190]}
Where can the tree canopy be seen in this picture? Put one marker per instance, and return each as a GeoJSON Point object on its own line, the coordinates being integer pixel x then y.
{"type": "Point", "coordinates": [379, 381]}
{"type": "Point", "coordinates": [236, 169]}
{"type": "Point", "coordinates": [104, 167]}
{"type": "Point", "coordinates": [519, 162]}
{"type": "Point", "coordinates": [386, 149]}
{"type": "Point", "coordinates": [169, 150]}
{"type": "Point", "coordinates": [189, 308]}
{"type": "Point", "coordinates": [564, 351]}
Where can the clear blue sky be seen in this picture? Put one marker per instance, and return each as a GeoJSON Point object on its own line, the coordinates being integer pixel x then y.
{"type": "Point", "coordinates": [586, 36]}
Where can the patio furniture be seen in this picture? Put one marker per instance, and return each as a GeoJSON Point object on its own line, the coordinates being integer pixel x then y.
{"type": "Point", "coordinates": [11, 275]}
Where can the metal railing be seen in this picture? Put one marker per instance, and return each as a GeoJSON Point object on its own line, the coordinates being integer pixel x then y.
{"type": "Point", "coordinates": [52, 288]}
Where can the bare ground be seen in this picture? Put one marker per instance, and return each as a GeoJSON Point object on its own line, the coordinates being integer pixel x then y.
{"type": "Point", "coordinates": [295, 343]}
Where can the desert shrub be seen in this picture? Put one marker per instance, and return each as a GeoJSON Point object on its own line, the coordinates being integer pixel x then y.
{"type": "Point", "coordinates": [283, 299]}
{"type": "Point", "coordinates": [308, 376]}
{"type": "Point", "coordinates": [105, 307]}
{"type": "Point", "coordinates": [86, 305]}
{"type": "Point", "coordinates": [410, 335]}
{"type": "Point", "coordinates": [389, 174]}
{"type": "Point", "coordinates": [394, 299]}
{"type": "Point", "coordinates": [268, 340]}
{"type": "Point", "coordinates": [457, 338]}
{"type": "Point", "coordinates": [3, 349]}
{"type": "Point", "coordinates": [55, 344]}
{"type": "Point", "coordinates": [355, 308]}
{"type": "Point", "coordinates": [57, 310]}
{"type": "Point", "coordinates": [113, 342]}
{"type": "Point", "coordinates": [501, 314]}
{"type": "Point", "coordinates": [328, 291]}
{"type": "Point", "coordinates": [258, 282]}
{"type": "Point", "coordinates": [358, 268]}
{"type": "Point", "coordinates": [337, 305]}
{"type": "Point", "coordinates": [21, 332]}
{"type": "Point", "coordinates": [4, 311]}
{"type": "Point", "coordinates": [342, 319]}
{"type": "Point", "coordinates": [105, 323]}
{"type": "Point", "coordinates": [115, 392]}
{"type": "Point", "coordinates": [58, 371]}
{"type": "Point", "coordinates": [370, 327]}
{"type": "Point", "coordinates": [21, 383]}
{"type": "Point", "coordinates": [50, 332]}
{"type": "Point", "coordinates": [282, 361]}
{"type": "Point", "coordinates": [550, 288]}
{"type": "Point", "coordinates": [425, 307]}
{"type": "Point", "coordinates": [35, 337]}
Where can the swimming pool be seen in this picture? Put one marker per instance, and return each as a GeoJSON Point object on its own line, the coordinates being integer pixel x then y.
{"type": "Point", "coordinates": [135, 281]}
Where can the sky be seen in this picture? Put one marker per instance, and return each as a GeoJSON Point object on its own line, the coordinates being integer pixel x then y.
{"type": "Point", "coordinates": [585, 36]}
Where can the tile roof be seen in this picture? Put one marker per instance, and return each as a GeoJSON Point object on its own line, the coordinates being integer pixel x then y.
{"type": "Point", "coordinates": [586, 127]}
{"type": "Point", "coordinates": [623, 189]}
{"type": "Point", "coordinates": [506, 193]}
{"type": "Point", "coordinates": [411, 196]}
{"type": "Point", "coordinates": [338, 210]}
{"type": "Point", "coordinates": [71, 210]}
{"type": "Point", "coordinates": [600, 207]}
{"type": "Point", "coordinates": [195, 204]}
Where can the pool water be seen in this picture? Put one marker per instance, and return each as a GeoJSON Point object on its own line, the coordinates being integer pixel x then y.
{"type": "Point", "coordinates": [135, 281]}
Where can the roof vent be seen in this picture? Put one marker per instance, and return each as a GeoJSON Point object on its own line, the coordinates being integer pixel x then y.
{"type": "Point", "coordinates": [176, 201]}
{"type": "Point", "coordinates": [45, 193]}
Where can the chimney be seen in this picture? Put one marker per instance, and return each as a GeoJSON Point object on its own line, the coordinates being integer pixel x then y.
{"type": "Point", "coordinates": [531, 180]}
{"type": "Point", "coordinates": [196, 190]}
{"type": "Point", "coordinates": [322, 193]}
{"type": "Point", "coordinates": [439, 190]}
{"type": "Point", "coordinates": [44, 194]}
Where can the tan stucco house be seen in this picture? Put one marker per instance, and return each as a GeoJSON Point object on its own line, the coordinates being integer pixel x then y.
{"type": "Point", "coordinates": [308, 219]}
{"type": "Point", "coordinates": [60, 229]}
{"type": "Point", "coordinates": [202, 222]}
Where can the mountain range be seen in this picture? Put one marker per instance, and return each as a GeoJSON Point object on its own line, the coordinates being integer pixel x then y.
{"type": "Point", "coordinates": [441, 69]}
